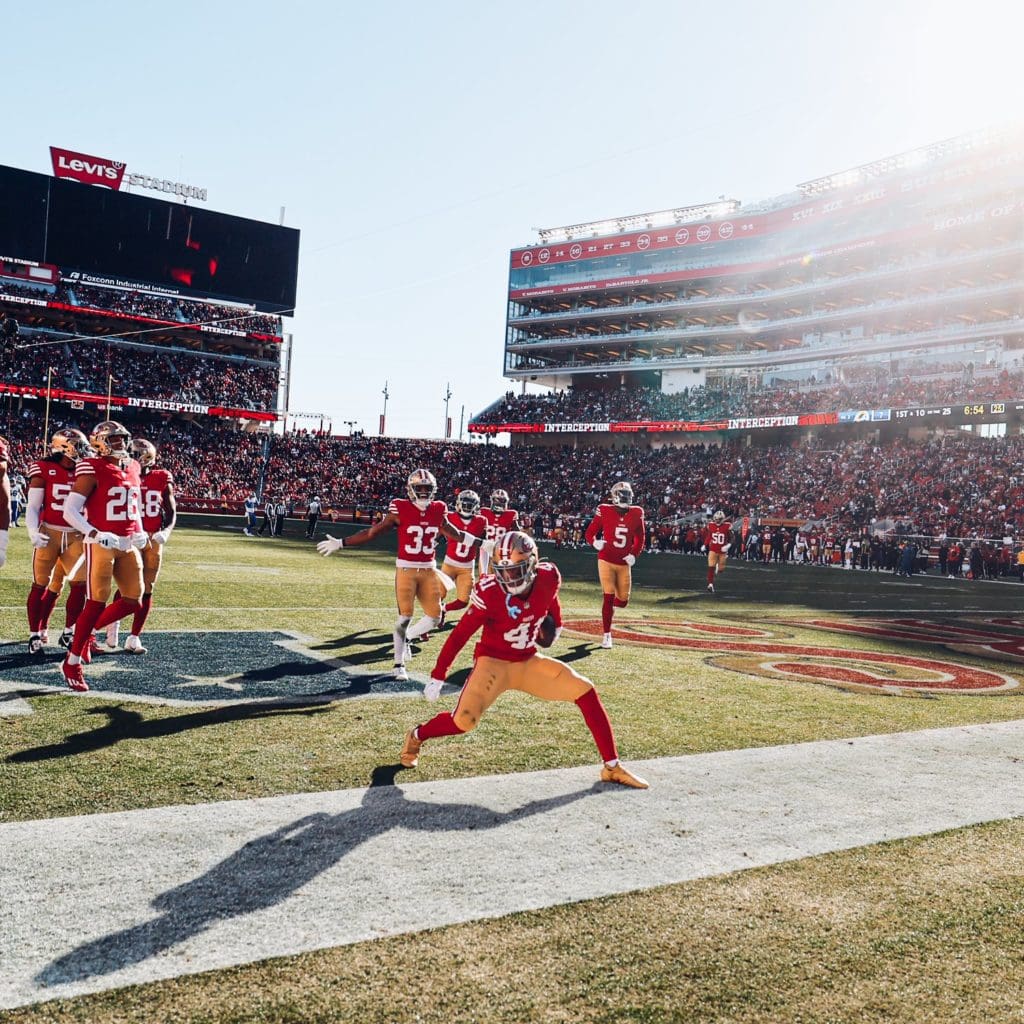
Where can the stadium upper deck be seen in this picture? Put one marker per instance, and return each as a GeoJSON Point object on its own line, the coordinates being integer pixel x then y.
{"type": "Point", "coordinates": [917, 255]}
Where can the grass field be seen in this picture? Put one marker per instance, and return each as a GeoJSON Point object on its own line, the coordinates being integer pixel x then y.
{"type": "Point", "coordinates": [919, 930]}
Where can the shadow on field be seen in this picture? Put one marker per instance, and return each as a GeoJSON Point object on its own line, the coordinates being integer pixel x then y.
{"type": "Point", "coordinates": [123, 724]}
{"type": "Point", "coordinates": [266, 871]}
{"type": "Point", "coordinates": [380, 644]}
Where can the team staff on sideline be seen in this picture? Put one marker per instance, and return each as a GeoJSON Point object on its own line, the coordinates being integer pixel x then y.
{"type": "Point", "coordinates": [53, 541]}
{"type": "Point", "coordinates": [104, 506]}
{"type": "Point", "coordinates": [418, 520]}
{"type": "Point", "coordinates": [512, 606]}
{"type": "Point", "coordinates": [5, 499]}
{"type": "Point", "coordinates": [623, 533]}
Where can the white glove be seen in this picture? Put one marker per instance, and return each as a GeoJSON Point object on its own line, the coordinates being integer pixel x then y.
{"type": "Point", "coordinates": [598, 544]}
{"type": "Point", "coordinates": [725, 548]}
{"type": "Point", "coordinates": [160, 537]}
{"type": "Point", "coordinates": [630, 560]}
{"type": "Point", "coordinates": [39, 539]}
{"type": "Point", "coordinates": [468, 539]}
{"type": "Point", "coordinates": [3, 547]}
{"type": "Point", "coordinates": [110, 541]}
{"type": "Point", "coordinates": [329, 546]}
{"type": "Point", "coordinates": [703, 548]}
{"type": "Point", "coordinates": [487, 547]}
{"type": "Point", "coordinates": [138, 540]}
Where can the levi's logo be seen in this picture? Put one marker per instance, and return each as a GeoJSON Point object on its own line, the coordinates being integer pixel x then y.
{"type": "Point", "coordinates": [92, 170]}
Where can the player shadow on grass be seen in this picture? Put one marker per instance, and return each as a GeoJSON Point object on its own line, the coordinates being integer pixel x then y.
{"type": "Point", "coordinates": [123, 724]}
{"type": "Point", "coordinates": [268, 870]}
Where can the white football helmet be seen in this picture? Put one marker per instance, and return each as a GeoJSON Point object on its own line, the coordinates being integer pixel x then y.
{"type": "Point", "coordinates": [718, 517]}
{"type": "Point", "coordinates": [421, 488]}
{"type": "Point", "coordinates": [514, 562]}
{"type": "Point", "coordinates": [499, 500]}
{"type": "Point", "coordinates": [622, 494]}
{"type": "Point", "coordinates": [467, 504]}
{"type": "Point", "coordinates": [112, 440]}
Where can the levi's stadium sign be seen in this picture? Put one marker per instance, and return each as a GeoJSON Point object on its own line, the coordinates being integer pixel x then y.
{"type": "Point", "coordinates": [98, 170]}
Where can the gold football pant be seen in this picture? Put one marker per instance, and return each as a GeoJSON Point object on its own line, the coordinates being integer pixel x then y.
{"type": "Point", "coordinates": [463, 580]}
{"type": "Point", "coordinates": [716, 560]}
{"type": "Point", "coordinates": [152, 559]}
{"type": "Point", "coordinates": [615, 579]}
{"type": "Point", "coordinates": [105, 567]}
{"type": "Point", "coordinates": [61, 555]}
{"type": "Point", "coordinates": [421, 585]}
{"type": "Point", "coordinates": [540, 676]}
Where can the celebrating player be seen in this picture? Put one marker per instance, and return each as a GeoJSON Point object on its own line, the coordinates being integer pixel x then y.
{"type": "Point", "coordinates": [159, 515]}
{"type": "Point", "coordinates": [418, 519]}
{"type": "Point", "coordinates": [716, 540]}
{"type": "Point", "coordinates": [104, 507]}
{"type": "Point", "coordinates": [512, 606]}
{"type": "Point", "coordinates": [458, 561]}
{"type": "Point", "coordinates": [5, 499]}
{"type": "Point", "coordinates": [623, 533]}
{"type": "Point", "coordinates": [53, 542]}
{"type": "Point", "coordinates": [500, 520]}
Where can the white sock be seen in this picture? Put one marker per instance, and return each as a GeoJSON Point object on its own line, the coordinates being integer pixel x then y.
{"type": "Point", "coordinates": [425, 625]}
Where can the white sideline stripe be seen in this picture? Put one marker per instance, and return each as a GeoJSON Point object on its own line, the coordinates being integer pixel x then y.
{"type": "Point", "coordinates": [178, 890]}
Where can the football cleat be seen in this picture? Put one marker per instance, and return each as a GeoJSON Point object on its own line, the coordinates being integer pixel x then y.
{"type": "Point", "coordinates": [65, 638]}
{"type": "Point", "coordinates": [606, 642]}
{"type": "Point", "coordinates": [35, 644]}
{"type": "Point", "coordinates": [711, 588]}
{"type": "Point", "coordinates": [133, 644]}
{"type": "Point", "coordinates": [621, 776]}
{"type": "Point", "coordinates": [410, 750]}
{"type": "Point", "coordinates": [401, 673]}
{"type": "Point", "coordinates": [73, 676]}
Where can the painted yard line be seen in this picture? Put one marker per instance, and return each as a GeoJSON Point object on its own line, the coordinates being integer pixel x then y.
{"type": "Point", "coordinates": [177, 890]}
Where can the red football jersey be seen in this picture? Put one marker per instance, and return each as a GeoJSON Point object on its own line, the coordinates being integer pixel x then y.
{"type": "Point", "coordinates": [458, 553]}
{"type": "Point", "coordinates": [417, 532]}
{"type": "Point", "coordinates": [154, 483]}
{"type": "Point", "coordinates": [57, 484]}
{"type": "Point", "coordinates": [715, 536]}
{"type": "Point", "coordinates": [499, 523]}
{"type": "Point", "coordinates": [510, 623]}
{"type": "Point", "coordinates": [114, 505]}
{"type": "Point", "coordinates": [624, 532]}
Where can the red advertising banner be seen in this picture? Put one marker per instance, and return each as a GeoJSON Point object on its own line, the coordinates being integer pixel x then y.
{"type": "Point", "coordinates": [815, 419]}
{"type": "Point", "coordinates": [90, 170]}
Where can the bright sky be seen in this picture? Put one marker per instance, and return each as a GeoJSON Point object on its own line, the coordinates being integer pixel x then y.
{"type": "Point", "coordinates": [415, 144]}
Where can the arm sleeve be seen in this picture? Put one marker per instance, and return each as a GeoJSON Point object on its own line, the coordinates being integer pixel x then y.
{"type": "Point", "coordinates": [595, 524]}
{"type": "Point", "coordinates": [74, 505]}
{"type": "Point", "coordinates": [34, 508]}
{"type": "Point", "coordinates": [641, 536]}
{"type": "Point", "coordinates": [470, 622]}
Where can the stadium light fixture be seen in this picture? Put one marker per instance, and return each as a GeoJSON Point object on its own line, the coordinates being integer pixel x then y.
{"type": "Point", "coordinates": [638, 222]}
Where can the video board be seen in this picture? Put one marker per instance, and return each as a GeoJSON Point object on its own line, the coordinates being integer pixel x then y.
{"type": "Point", "coordinates": [116, 235]}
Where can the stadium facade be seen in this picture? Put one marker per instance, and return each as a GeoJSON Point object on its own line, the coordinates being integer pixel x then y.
{"type": "Point", "coordinates": [905, 263]}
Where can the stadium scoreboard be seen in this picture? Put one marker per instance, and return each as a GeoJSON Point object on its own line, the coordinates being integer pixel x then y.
{"type": "Point", "coordinates": [108, 236]}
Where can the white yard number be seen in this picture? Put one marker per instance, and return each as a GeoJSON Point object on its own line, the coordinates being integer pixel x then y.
{"type": "Point", "coordinates": [60, 492]}
{"type": "Point", "coordinates": [421, 540]}
{"type": "Point", "coordinates": [621, 536]}
{"type": "Point", "coordinates": [153, 505]}
{"type": "Point", "coordinates": [522, 636]}
{"type": "Point", "coordinates": [122, 504]}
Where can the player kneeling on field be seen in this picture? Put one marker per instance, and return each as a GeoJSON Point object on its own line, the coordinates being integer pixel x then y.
{"type": "Point", "coordinates": [511, 606]}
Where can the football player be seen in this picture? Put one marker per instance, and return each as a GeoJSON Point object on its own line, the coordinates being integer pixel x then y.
{"type": "Point", "coordinates": [458, 561]}
{"type": "Point", "coordinates": [54, 543]}
{"type": "Point", "coordinates": [5, 499]}
{"type": "Point", "coordinates": [511, 607]}
{"type": "Point", "coordinates": [418, 520]}
{"type": "Point", "coordinates": [159, 515]}
{"type": "Point", "coordinates": [623, 534]}
{"type": "Point", "coordinates": [105, 507]}
{"type": "Point", "coordinates": [500, 520]}
{"type": "Point", "coordinates": [716, 541]}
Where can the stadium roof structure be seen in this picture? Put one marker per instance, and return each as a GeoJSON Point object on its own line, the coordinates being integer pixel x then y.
{"type": "Point", "coordinates": [722, 207]}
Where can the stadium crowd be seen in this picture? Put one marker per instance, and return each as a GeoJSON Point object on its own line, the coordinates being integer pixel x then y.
{"type": "Point", "coordinates": [714, 402]}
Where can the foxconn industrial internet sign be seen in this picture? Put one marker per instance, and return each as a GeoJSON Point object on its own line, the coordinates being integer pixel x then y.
{"type": "Point", "coordinates": [98, 170]}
